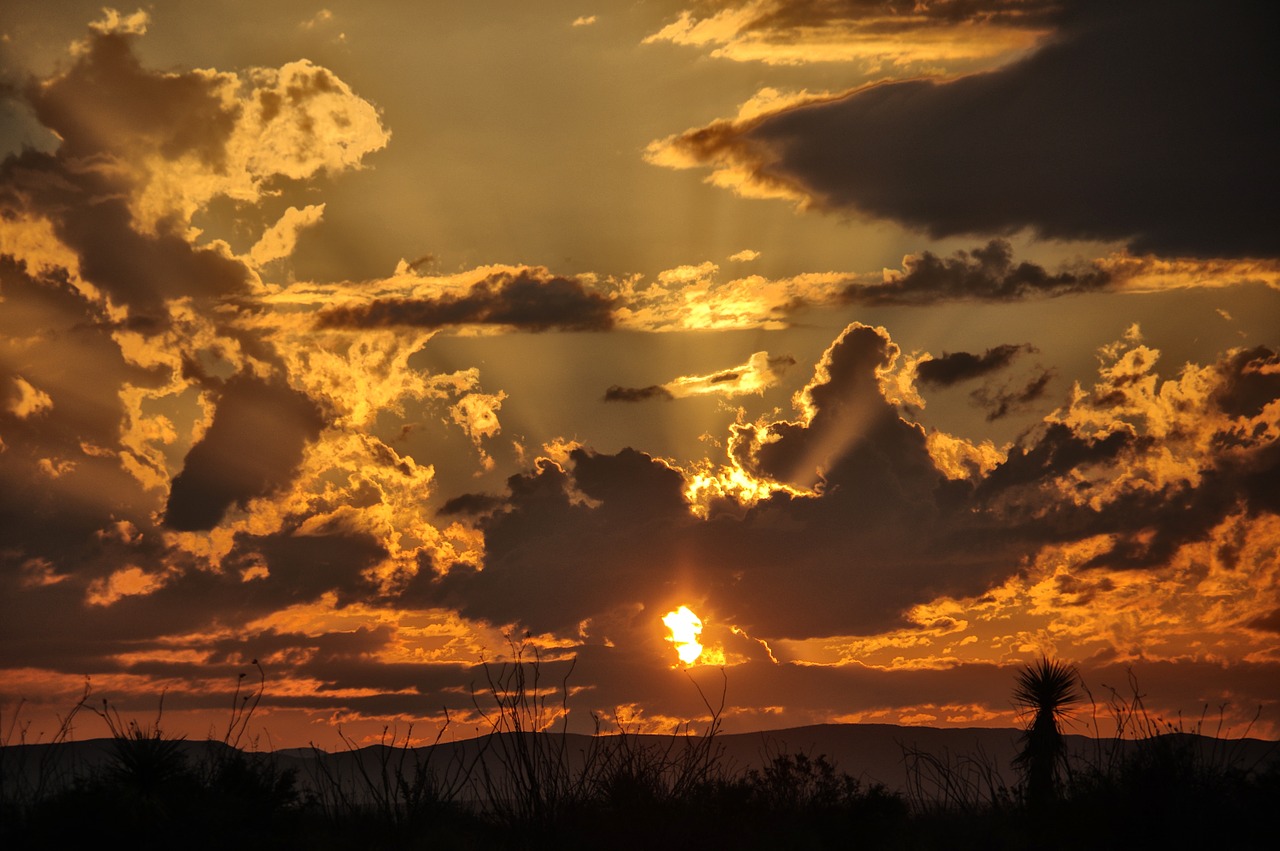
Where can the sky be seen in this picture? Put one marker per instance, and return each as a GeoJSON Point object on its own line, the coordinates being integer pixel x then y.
{"type": "Point", "coordinates": [375, 345]}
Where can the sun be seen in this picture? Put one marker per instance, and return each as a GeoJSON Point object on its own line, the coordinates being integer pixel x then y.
{"type": "Point", "coordinates": [685, 628]}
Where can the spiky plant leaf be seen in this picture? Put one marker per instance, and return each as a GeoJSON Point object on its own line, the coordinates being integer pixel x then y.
{"type": "Point", "coordinates": [1048, 686]}
{"type": "Point", "coordinates": [1046, 689]}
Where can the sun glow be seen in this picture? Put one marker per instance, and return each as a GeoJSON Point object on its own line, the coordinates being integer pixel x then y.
{"type": "Point", "coordinates": [685, 628]}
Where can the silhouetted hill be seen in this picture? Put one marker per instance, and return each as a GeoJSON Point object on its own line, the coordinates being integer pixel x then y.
{"type": "Point", "coordinates": [872, 753]}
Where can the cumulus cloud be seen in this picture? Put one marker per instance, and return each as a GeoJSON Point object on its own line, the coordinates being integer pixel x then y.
{"type": "Point", "coordinates": [174, 141]}
{"type": "Point", "coordinates": [141, 151]}
{"type": "Point", "coordinates": [846, 473]}
{"type": "Point", "coordinates": [1155, 465]}
{"type": "Point", "coordinates": [251, 449]}
{"type": "Point", "coordinates": [528, 299]}
{"type": "Point", "coordinates": [851, 504]}
{"type": "Point", "coordinates": [1036, 143]}
{"type": "Point", "coordinates": [65, 470]}
{"type": "Point", "coordinates": [159, 389]}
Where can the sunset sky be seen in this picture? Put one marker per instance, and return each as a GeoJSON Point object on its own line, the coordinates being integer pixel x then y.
{"type": "Point", "coordinates": [901, 342]}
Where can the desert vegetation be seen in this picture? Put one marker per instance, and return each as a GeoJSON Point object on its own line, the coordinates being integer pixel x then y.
{"type": "Point", "coordinates": [527, 783]}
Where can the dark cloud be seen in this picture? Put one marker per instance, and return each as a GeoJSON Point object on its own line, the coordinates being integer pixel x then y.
{"type": "Point", "coordinates": [1148, 525]}
{"type": "Point", "coordinates": [1151, 122]}
{"type": "Point", "coordinates": [880, 531]}
{"type": "Point", "coordinates": [231, 650]}
{"type": "Point", "coordinates": [110, 113]}
{"type": "Point", "coordinates": [531, 300]}
{"type": "Point", "coordinates": [845, 406]}
{"type": "Point", "coordinates": [56, 626]}
{"type": "Point", "coordinates": [1002, 401]}
{"type": "Point", "coordinates": [552, 560]}
{"type": "Point", "coordinates": [618, 393]}
{"type": "Point", "coordinates": [892, 16]}
{"type": "Point", "coordinates": [470, 503]}
{"type": "Point", "coordinates": [987, 273]}
{"type": "Point", "coordinates": [107, 98]}
{"type": "Point", "coordinates": [1266, 623]}
{"type": "Point", "coordinates": [251, 449]}
{"type": "Point", "coordinates": [1054, 452]}
{"type": "Point", "coordinates": [303, 566]}
{"type": "Point", "coordinates": [955, 367]}
{"type": "Point", "coordinates": [89, 215]}
{"type": "Point", "coordinates": [611, 532]}
{"type": "Point", "coordinates": [144, 271]}
{"type": "Point", "coordinates": [1250, 380]}
{"type": "Point", "coordinates": [63, 483]}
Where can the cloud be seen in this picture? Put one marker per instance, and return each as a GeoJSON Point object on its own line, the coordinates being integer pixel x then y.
{"type": "Point", "coordinates": [319, 19]}
{"type": "Point", "coordinates": [899, 33]}
{"type": "Point", "coordinates": [1079, 140]}
{"type": "Point", "coordinates": [528, 299]}
{"type": "Point", "coordinates": [617, 393]}
{"type": "Point", "coordinates": [759, 373]}
{"type": "Point", "coordinates": [850, 478]}
{"type": "Point", "coordinates": [584, 20]}
{"type": "Point", "coordinates": [123, 583]}
{"type": "Point", "coordinates": [1269, 622]}
{"type": "Point", "coordinates": [279, 240]}
{"type": "Point", "coordinates": [1002, 401]}
{"type": "Point", "coordinates": [955, 367]}
{"type": "Point", "coordinates": [692, 298]}
{"type": "Point", "coordinates": [1153, 465]}
{"type": "Point", "coordinates": [698, 298]}
{"type": "Point", "coordinates": [174, 141]}
{"type": "Point", "coordinates": [838, 407]}
{"type": "Point", "coordinates": [987, 273]}
{"type": "Point", "coordinates": [67, 473]}
{"type": "Point", "coordinates": [999, 400]}
{"type": "Point", "coordinates": [846, 518]}
{"type": "Point", "coordinates": [141, 151]}
{"type": "Point", "coordinates": [27, 401]}
{"type": "Point", "coordinates": [113, 260]}
{"type": "Point", "coordinates": [1155, 274]}
{"type": "Point", "coordinates": [252, 448]}
{"type": "Point", "coordinates": [477, 414]}
{"type": "Point", "coordinates": [114, 22]}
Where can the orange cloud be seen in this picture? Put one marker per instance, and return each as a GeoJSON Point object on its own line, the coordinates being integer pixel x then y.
{"type": "Point", "coordinates": [902, 35]}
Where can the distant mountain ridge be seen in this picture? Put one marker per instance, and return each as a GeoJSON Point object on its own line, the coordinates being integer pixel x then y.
{"type": "Point", "coordinates": [872, 753]}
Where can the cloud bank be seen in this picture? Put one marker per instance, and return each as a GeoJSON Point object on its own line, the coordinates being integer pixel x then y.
{"type": "Point", "coordinates": [1081, 139]}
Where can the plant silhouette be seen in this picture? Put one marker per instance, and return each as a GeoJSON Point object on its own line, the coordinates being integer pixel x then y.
{"type": "Point", "coordinates": [1046, 690]}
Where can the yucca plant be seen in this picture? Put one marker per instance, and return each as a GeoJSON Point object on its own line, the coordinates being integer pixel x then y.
{"type": "Point", "coordinates": [1045, 690]}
